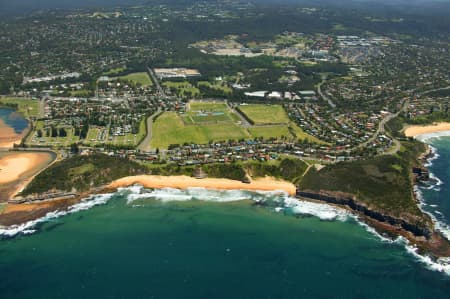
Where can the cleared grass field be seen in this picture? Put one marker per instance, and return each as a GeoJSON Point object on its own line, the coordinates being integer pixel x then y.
{"type": "Point", "coordinates": [170, 129]}
{"type": "Point", "coordinates": [270, 132]}
{"type": "Point", "coordinates": [265, 114]}
{"type": "Point", "coordinates": [115, 71]}
{"type": "Point", "coordinates": [182, 89]}
{"type": "Point", "coordinates": [208, 112]}
{"type": "Point", "coordinates": [27, 107]}
{"type": "Point", "coordinates": [138, 78]}
{"type": "Point", "coordinates": [223, 88]}
{"type": "Point", "coordinates": [208, 106]}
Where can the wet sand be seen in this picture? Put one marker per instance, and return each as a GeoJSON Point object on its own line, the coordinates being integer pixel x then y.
{"type": "Point", "coordinates": [18, 168]}
{"type": "Point", "coordinates": [8, 136]}
{"type": "Point", "coordinates": [183, 182]}
{"type": "Point", "coordinates": [413, 131]}
{"type": "Point", "coordinates": [20, 213]}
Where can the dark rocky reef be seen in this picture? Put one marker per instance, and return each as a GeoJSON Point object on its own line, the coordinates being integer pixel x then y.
{"type": "Point", "coordinates": [417, 229]}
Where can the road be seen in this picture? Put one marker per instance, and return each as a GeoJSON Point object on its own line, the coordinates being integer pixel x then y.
{"type": "Point", "coordinates": [244, 122]}
{"type": "Point", "coordinates": [319, 90]}
{"type": "Point", "coordinates": [145, 145]}
{"type": "Point", "coordinates": [381, 130]}
{"type": "Point", "coordinates": [156, 81]}
{"type": "Point", "coordinates": [433, 90]}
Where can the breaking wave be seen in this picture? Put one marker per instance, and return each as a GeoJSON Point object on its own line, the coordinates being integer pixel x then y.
{"type": "Point", "coordinates": [29, 227]}
{"type": "Point", "coordinates": [279, 201]}
{"type": "Point", "coordinates": [426, 137]}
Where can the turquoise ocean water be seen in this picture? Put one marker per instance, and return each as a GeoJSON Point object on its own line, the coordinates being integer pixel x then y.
{"type": "Point", "coordinates": [169, 243]}
{"type": "Point", "coordinates": [13, 119]}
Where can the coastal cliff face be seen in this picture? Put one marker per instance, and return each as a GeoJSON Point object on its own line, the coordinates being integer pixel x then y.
{"type": "Point", "coordinates": [418, 228]}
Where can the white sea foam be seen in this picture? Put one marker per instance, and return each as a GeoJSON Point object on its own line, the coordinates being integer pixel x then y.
{"type": "Point", "coordinates": [322, 211]}
{"type": "Point", "coordinates": [285, 203]}
{"type": "Point", "coordinates": [440, 265]}
{"type": "Point", "coordinates": [440, 226]}
{"type": "Point", "coordinates": [198, 193]}
{"type": "Point", "coordinates": [428, 136]}
{"type": "Point", "coordinates": [282, 201]}
{"type": "Point", "coordinates": [434, 156]}
{"type": "Point", "coordinates": [28, 227]}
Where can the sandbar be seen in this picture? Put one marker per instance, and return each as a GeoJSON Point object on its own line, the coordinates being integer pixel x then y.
{"type": "Point", "coordinates": [184, 182]}
{"type": "Point", "coordinates": [414, 131]}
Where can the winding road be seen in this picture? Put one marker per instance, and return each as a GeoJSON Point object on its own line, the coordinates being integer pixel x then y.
{"type": "Point", "coordinates": [145, 145]}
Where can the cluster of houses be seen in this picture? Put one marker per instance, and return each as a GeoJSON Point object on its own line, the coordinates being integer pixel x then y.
{"type": "Point", "coordinates": [344, 129]}
{"type": "Point", "coordinates": [226, 152]}
{"type": "Point", "coordinates": [49, 78]}
{"type": "Point", "coordinates": [283, 95]}
{"type": "Point", "coordinates": [166, 73]}
{"type": "Point", "coordinates": [426, 105]}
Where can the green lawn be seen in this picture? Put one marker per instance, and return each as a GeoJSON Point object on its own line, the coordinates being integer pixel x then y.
{"type": "Point", "coordinates": [270, 132]}
{"type": "Point", "coordinates": [28, 107]}
{"type": "Point", "coordinates": [138, 78]}
{"type": "Point", "coordinates": [209, 112]}
{"type": "Point", "coordinates": [291, 132]}
{"type": "Point", "coordinates": [208, 106]}
{"type": "Point", "coordinates": [81, 93]}
{"type": "Point", "coordinates": [170, 129]}
{"type": "Point", "coordinates": [115, 71]}
{"type": "Point", "coordinates": [265, 114]}
{"type": "Point", "coordinates": [225, 89]}
{"type": "Point", "coordinates": [182, 89]}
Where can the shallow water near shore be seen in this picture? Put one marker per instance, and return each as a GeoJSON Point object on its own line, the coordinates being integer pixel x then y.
{"type": "Point", "coordinates": [436, 196]}
{"type": "Point", "coordinates": [13, 119]}
{"type": "Point", "coordinates": [178, 244]}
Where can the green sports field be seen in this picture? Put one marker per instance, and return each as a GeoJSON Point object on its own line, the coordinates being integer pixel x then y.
{"type": "Point", "coordinates": [169, 129]}
{"type": "Point", "coordinates": [209, 112]}
{"type": "Point", "coordinates": [265, 114]}
{"type": "Point", "coordinates": [138, 78]}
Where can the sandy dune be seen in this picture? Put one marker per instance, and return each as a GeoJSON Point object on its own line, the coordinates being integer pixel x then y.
{"type": "Point", "coordinates": [413, 131]}
{"type": "Point", "coordinates": [183, 182]}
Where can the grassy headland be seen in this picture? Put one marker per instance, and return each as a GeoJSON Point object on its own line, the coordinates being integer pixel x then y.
{"type": "Point", "coordinates": [80, 173]}
{"type": "Point", "coordinates": [383, 183]}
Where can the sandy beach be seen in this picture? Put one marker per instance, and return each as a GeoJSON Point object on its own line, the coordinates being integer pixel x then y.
{"type": "Point", "coordinates": [18, 168]}
{"type": "Point", "coordinates": [413, 131]}
{"type": "Point", "coordinates": [184, 182]}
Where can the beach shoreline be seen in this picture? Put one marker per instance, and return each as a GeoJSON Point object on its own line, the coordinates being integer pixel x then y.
{"type": "Point", "coordinates": [17, 214]}
{"type": "Point", "coordinates": [17, 170]}
{"type": "Point", "coordinates": [417, 130]}
{"type": "Point", "coordinates": [185, 182]}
